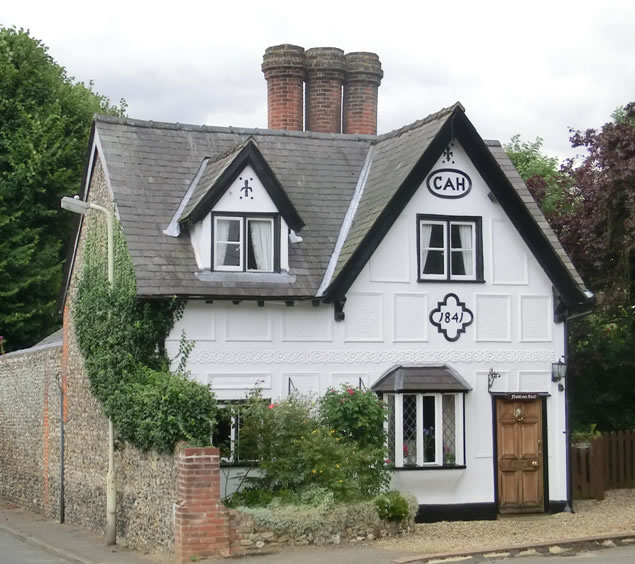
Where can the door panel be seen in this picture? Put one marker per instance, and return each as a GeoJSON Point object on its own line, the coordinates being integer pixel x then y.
{"type": "Point", "coordinates": [520, 460]}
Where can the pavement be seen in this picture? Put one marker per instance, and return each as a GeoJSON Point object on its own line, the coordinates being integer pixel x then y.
{"type": "Point", "coordinates": [71, 544]}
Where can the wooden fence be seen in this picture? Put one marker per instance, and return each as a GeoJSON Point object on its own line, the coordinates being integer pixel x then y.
{"type": "Point", "coordinates": [607, 462]}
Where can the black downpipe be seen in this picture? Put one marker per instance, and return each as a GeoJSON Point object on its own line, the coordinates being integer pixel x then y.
{"type": "Point", "coordinates": [568, 508]}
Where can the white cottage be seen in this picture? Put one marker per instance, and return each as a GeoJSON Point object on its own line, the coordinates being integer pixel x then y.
{"type": "Point", "coordinates": [414, 263]}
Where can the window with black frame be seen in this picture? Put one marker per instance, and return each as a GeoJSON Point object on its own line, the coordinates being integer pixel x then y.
{"type": "Point", "coordinates": [450, 248]}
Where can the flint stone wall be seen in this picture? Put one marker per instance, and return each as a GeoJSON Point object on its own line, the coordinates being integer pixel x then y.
{"type": "Point", "coordinates": [263, 530]}
{"type": "Point", "coordinates": [146, 482]}
{"type": "Point", "coordinates": [28, 382]}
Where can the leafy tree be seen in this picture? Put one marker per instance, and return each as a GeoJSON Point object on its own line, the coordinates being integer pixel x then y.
{"type": "Point", "coordinates": [45, 120]}
{"type": "Point", "coordinates": [594, 217]}
{"type": "Point", "coordinates": [540, 172]}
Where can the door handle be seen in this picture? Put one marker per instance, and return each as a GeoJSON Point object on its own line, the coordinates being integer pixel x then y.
{"type": "Point", "coordinates": [535, 463]}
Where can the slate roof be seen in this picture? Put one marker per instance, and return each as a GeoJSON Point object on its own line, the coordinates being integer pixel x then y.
{"type": "Point", "coordinates": [421, 378]}
{"type": "Point", "coordinates": [151, 166]}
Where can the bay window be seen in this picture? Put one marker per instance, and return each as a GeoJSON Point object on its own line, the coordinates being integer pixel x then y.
{"type": "Point", "coordinates": [425, 423]}
{"type": "Point", "coordinates": [425, 429]}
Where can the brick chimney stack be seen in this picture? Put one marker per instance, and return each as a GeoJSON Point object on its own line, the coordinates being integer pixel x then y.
{"type": "Point", "coordinates": [321, 106]}
{"type": "Point", "coordinates": [325, 72]}
{"type": "Point", "coordinates": [284, 69]}
{"type": "Point", "coordinates": [363, 77]}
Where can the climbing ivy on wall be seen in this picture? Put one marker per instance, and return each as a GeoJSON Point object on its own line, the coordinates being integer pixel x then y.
{"type": "Point", "coordinates": [121, 339]}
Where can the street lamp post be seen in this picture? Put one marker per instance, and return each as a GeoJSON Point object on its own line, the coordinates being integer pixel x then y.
{"type": "Point", "coordinates": [79, 206]}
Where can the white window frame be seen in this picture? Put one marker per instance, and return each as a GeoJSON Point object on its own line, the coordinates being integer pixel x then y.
{"type": "Point", "coordinates": [241, 242]}
{"type": "Point", "coordinates": [447, 223]}
{"type": "Point", "coordinates": [453, 276]}
{"type": "Point", "coordinates": [443, 224]}
{"type": "Point", "coordinates": [438, 429]}
{"type": "Point", "coordinates": [234, 430]}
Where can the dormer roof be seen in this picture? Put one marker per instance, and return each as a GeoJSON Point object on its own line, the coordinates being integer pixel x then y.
{"type": "Point", "coordinates": [219, 174]}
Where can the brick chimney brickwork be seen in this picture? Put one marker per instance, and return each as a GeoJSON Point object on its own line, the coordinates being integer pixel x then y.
{"type": "Point", "coordinates": [325, 72]}
{"type": "Point", "coordinates": [363, 77]}
{"type": "Point", "coordinates": [284, 70]}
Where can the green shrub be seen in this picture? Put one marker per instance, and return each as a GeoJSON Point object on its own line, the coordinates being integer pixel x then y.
{"type": "Point", "coordinates": [296, 451]}
{"type": "Point", "coordinates": [357, 415]}
{"type": "Point", "coordinates": [122, 341]}
{"type": "Point", "coordinates": [317, 521]}
{"type": "Point", "coordinates": [392, 506]}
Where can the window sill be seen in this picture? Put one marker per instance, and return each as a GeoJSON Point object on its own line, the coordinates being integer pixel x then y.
{"type": "Point", "coordinates": [451, 281]}
{"type": "Point", "coordinates": [446, 467]}
{"type": "Point", "coordinates": [242, 277]}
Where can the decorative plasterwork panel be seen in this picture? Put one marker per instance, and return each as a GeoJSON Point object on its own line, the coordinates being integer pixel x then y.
{"type": "Point", "coordinates": [364, 317]}
{"type": "Point", "coordinates": [409, 314]}
{"type": "Point", "coordinates": [536, 315]}
{"type": "Point", "coordinates": [493, 317]}
{"type": "Point", "coordinates": [369, 356]}
{"type": "Point", "coordinates": [509, 258]}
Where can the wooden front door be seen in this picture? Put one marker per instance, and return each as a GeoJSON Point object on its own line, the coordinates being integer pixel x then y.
{"type": "Point", "coordinates": [520, 460]}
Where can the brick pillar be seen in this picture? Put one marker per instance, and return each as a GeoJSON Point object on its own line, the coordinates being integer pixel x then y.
{"type": "Point", "coordinates": [363, 77]}
{"type": "Point", "coordinates": [283, 67]}
{"type": "Point", "coordinates": [201, 521]}
{"type": "Point", "coordinates": [325, 71]}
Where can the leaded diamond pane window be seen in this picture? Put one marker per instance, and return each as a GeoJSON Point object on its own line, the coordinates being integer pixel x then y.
{"type": "Point", "coordinates": [410, 430]}
{"type": "Point", "coordinates": [424, 429]}
{"type": "Point", "coordinates": [449, 430]}
{"type": "Point", "coordinates": [391, 429]}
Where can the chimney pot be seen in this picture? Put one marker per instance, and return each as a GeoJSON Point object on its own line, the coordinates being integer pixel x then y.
{"type": "Point", "coordinates": [363, 77]}
{"type": "Point", "coordinates": [325, 72]}
{"type": "Point", "coordinates": [284, 69]}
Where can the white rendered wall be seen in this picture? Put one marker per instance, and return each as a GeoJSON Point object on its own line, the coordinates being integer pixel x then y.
{"type": "Point", "coordinates": [387, 323]}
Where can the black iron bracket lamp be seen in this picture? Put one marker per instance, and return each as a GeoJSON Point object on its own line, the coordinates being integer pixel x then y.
{"type": "Point", "coordinates": [558, 372]}
{"type": "Point", "coordinates": [491, 376]}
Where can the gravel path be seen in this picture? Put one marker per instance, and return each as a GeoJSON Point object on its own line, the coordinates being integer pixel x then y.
{"type": "Point", "coordinates": [615, 514]}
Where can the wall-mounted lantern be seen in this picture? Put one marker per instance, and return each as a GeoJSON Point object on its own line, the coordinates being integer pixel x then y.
{"type": "Point", "coordinates": [558, 372]}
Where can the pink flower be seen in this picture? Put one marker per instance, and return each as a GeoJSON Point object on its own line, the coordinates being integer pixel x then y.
{"type": "Point", "coordinates": [405, 449]}
{"type": "Point", "coordinates": [388, 461]}
{"type": "Point", "coordinates": [350, 391]}
{"type": "Point", "coordinates": [272, 405]}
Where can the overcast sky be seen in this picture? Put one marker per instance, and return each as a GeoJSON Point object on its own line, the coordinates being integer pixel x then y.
{"type": "Point", "coordinates": [533, 67]}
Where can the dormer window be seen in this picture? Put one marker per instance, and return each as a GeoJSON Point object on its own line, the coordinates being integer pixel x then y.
{"type": "Point", "coordinates": [245, 243]}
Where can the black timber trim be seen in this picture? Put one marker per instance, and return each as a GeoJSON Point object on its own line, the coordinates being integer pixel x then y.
{"type": "Point", "coordinates": [545, 454]}
{"type": "Point", "coordinates": [249, 154]}
{"type": "Point", "coordinates": [557, 506]}
{"type": "Point", "coordinates": [343, 281]}
{"type": "Point", "coordinates": [514, 207]}
{"type": "Point", "coordinates": [458, 126]}
{"type": "Point", "coordinates": [456, 512]}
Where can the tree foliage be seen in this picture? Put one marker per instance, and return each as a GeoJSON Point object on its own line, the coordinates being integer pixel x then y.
{"type": "Point", "coordinates": [45, 120]}
{"type": "Point", "coordinates": [299, 447]}
{"type": "Point", "coordinates": [594, 217]}
{"type": "Point", "coordinates": [121, 339]}
{"type": "Point", "coordinates": [540, 172]}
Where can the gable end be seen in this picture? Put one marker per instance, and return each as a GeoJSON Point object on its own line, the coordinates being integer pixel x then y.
{"type": "Point", "coordinates": [249, 154]}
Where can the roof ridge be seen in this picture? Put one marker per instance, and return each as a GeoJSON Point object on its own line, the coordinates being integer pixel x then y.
{"type": "Point", "coordinates": [176, 126]}
{"type": "Point", "coordinates": [421, 122]}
